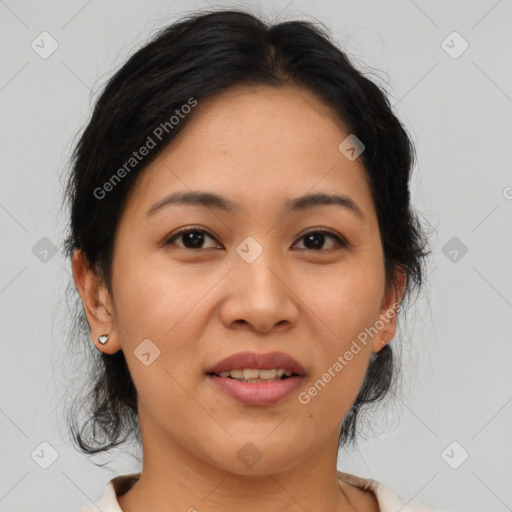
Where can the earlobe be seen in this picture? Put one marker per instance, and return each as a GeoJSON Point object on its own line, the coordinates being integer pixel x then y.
{"type": "Point", "coordinates": [386, 323]}
{"type": "Point", "coordinates": [97, 304]}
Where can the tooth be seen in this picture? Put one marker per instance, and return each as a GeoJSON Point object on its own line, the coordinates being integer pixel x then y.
{"type": "Point", "coordinates": [267, 374]}
{"type": "Point", "coordinates": [250, 374]}
{"type": "Point", "coordinates": [255, 375]}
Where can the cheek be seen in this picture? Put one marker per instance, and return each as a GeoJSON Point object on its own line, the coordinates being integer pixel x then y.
{"type": "Point", "coordinates": [342, 306]}
{"type": "Point", "coordinates": [152, 299]}
{"type": "Point", "coordinates": [344, 301]}
{"type": "Point", "coordinates": [165, 306]}
{"type": "Point", "coordinates": [157, 305]}
{"type": "Point", "coordinates": [342, 356]}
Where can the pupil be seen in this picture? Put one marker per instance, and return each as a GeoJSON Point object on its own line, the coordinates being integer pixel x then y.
{"type": "Point", "coordinates": [189, 239]}
{"type": "Point", "coordinates": [315, 237]}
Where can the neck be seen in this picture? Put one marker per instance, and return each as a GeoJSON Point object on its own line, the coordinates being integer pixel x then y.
{"type": "Point", "coordinates": [175, 480]}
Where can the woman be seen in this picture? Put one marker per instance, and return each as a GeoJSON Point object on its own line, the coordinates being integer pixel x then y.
{"type": "Point", "coordinates": [242, 239]}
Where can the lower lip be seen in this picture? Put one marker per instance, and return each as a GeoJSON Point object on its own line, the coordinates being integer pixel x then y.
{"type": "Point", "coordinates": [257, 393]}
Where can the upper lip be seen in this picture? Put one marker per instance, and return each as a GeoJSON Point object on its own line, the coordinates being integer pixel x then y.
{"type": "Point", "coordinates": [253, 360]}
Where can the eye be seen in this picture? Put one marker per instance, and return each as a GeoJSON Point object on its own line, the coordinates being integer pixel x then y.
{"type": "Point", "coordinates": [192, 238]}
{"type": "Point", "coordinates": [314, 240]}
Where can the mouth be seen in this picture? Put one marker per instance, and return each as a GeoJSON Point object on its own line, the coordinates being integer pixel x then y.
{"type": "Point", "coordinates": [254, 375]}
{"type": "Point", "coordinates": [257, 379]}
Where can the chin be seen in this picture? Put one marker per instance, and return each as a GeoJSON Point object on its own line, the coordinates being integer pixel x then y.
{"type": "Point", "coordinates": [258, 457]}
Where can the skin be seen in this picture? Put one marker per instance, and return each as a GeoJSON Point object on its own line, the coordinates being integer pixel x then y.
{"type": "Point", "coordinates": [258, 146]}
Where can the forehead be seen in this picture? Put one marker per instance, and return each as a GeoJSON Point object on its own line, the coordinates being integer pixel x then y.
{"type": "Point", "coordinates": [282, 115]}
{"type": "Point", "coordinates": [258, 144]}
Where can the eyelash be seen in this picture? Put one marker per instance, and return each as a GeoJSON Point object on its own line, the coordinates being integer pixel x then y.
{"type": "Point", "coordinates": [339, 240]}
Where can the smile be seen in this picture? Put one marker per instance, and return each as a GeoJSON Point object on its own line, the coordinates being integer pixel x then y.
{"type": "Point", "coordinates": [255, 375]}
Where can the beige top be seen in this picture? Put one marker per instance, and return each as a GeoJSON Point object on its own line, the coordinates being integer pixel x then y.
{"type": "Point", "coordinates": [387, 500]}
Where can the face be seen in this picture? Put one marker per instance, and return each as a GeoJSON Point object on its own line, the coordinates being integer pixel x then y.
{"type": "Point", "coordinates": [259, 277]}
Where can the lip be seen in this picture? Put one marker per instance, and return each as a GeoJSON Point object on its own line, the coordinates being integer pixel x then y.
{"type": "Point", "coordinates": [257, 393]}
{"type": "Point", "coordinates": [257, 361]}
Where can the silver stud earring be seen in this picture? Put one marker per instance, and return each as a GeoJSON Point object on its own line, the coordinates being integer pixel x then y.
{"type": "Point", "coordinates": [103, 338]}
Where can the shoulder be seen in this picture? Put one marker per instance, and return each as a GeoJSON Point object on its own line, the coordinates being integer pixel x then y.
{"type": "Point", "coordinates": [107, 503]}
{"type": "Point", "coordinates": [115, 487]}
{"type": "Point", "coordinates": [386, 499]}
{"type": "Point", "coordinates": [364, 493]}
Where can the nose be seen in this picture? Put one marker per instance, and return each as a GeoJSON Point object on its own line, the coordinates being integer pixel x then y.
{"type": "Point", "coordinates": [259, 295]}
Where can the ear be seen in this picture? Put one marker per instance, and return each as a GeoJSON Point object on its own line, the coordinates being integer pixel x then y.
{"type": "Point", "coordinates": [386, 322]}
{"type": "Point", "coordinates": [97, 304]}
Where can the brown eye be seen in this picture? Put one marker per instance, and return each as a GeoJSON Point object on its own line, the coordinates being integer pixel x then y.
{"type": "Point", "coordinates": [315, 240]}
{"type": "Point", "coordinates": [190, 238]}
{"type": "Point", "coordinates": [195, 238]}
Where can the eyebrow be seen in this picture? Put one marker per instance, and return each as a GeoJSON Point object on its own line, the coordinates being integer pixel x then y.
{"type": "Point", "coordinates": [211, 200]}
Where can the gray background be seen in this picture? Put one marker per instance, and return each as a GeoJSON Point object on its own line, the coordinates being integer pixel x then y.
{"type": "Point", "coordinates": [457, 353]}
